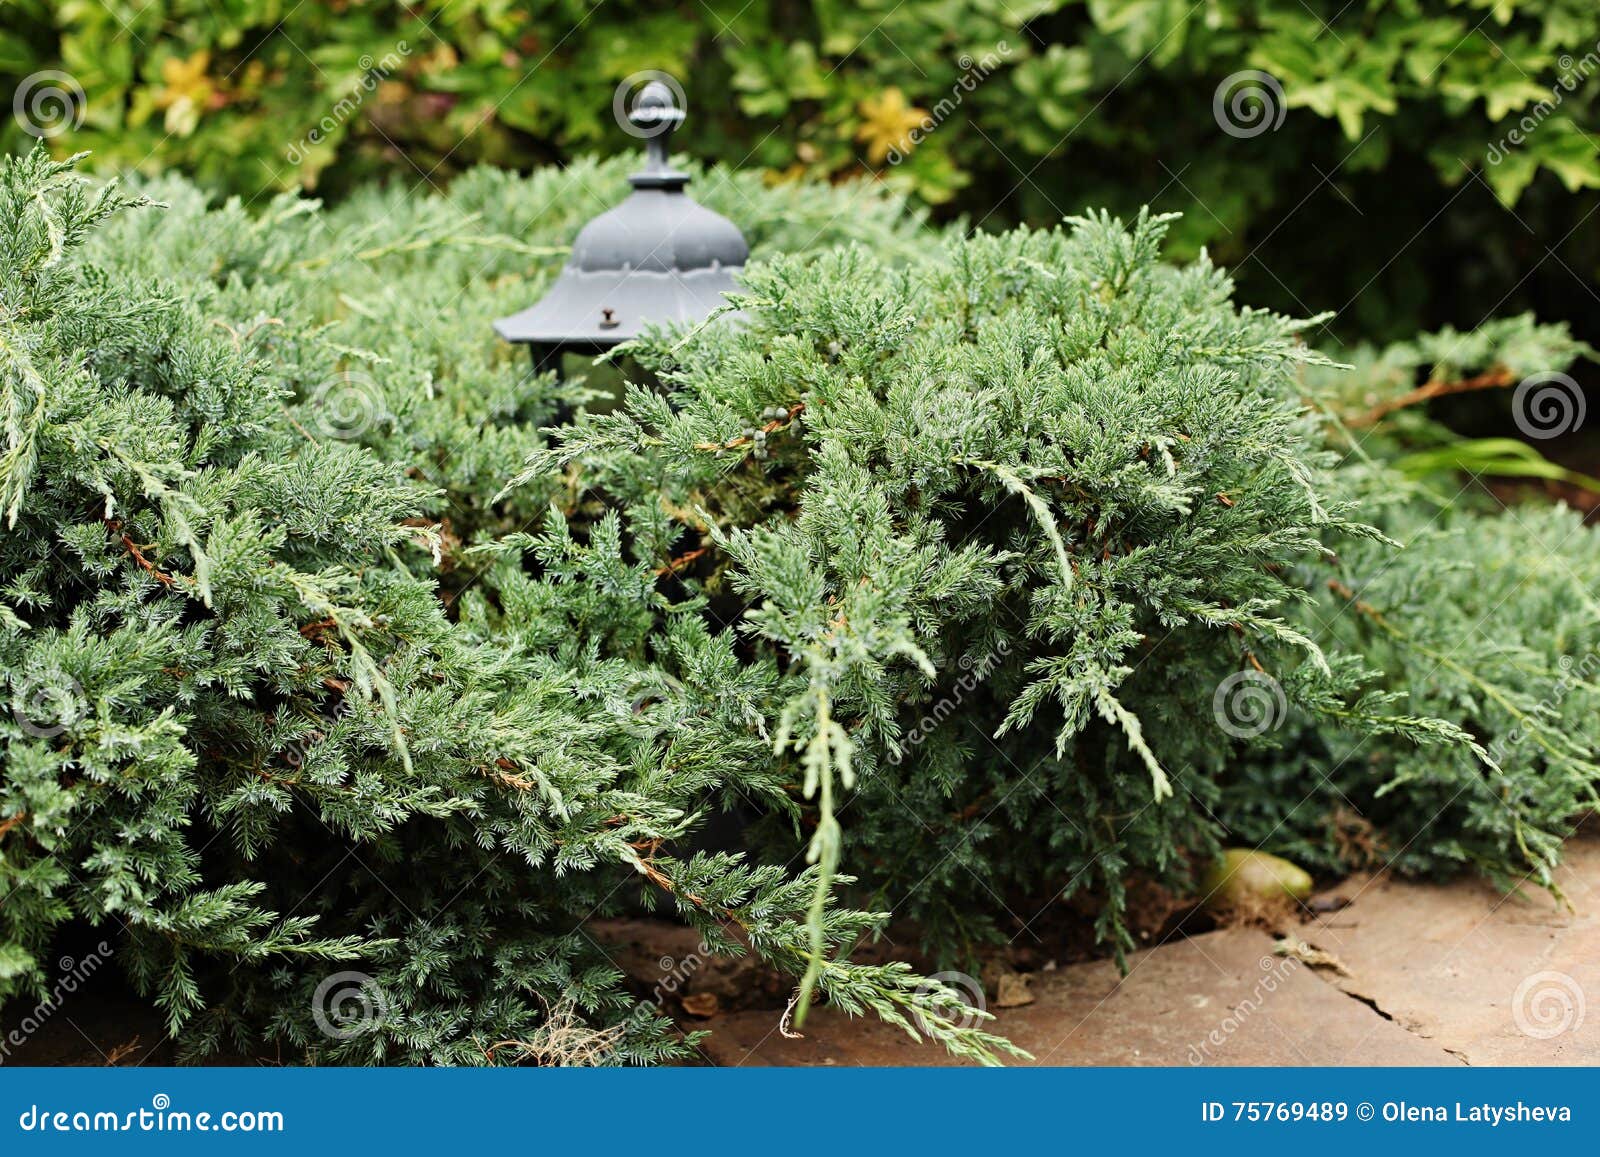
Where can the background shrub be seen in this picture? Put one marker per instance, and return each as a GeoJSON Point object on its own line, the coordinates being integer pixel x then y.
{"type": "Point", "coordinates": [1391, 192]}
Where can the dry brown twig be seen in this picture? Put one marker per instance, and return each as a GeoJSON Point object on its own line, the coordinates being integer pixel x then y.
{"type": "Point", "coordinates": [1489, 380]}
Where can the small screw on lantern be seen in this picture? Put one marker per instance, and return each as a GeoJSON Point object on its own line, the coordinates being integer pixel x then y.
{"type": "Point", "coordinates": [657, 257]}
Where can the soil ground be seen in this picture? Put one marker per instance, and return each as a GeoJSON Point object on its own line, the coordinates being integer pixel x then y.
{"type": "Point", "coordinates": [1394, 973]}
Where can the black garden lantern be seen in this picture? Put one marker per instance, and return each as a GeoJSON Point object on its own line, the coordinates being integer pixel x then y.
{"type": "Point", "coordinates": [657, 257]}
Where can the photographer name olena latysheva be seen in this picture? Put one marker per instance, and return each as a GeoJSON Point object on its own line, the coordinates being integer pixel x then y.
{"type": "Point", "coordinates": [1493, 1115]}
{"type": "Point", "coordinates": [1391, 1112]}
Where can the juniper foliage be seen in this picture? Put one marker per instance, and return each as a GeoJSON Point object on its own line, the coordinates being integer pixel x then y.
{"type": "Point", "coordinates": [244, 733]}
{"type": "Point", "coordinates": [940, 566]}
{"type": "Point", "coordinates": [1030, 533]}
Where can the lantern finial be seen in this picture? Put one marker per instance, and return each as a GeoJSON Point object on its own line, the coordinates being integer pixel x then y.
{"type": "Point", "coordinates": [657, 116]}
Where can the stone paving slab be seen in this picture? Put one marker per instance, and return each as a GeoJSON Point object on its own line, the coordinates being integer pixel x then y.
{"type": "Point", "coordinates": [1223, 998]}
{"type": "Point", "coordinates": [1496, 979]}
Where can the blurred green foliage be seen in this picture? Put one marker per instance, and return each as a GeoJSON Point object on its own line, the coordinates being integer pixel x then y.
{"type": "Point", "coordinates": [1393, 190]}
